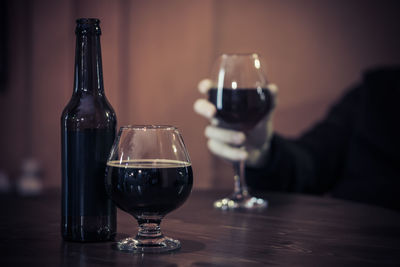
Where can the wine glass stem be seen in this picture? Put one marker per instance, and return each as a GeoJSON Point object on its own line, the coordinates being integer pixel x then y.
{"type": "Point", "coordinates": [240, 187]}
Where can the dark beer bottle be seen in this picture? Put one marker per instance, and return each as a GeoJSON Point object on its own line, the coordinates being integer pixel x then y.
{"type": "Point", "coordinates": [88, 125]}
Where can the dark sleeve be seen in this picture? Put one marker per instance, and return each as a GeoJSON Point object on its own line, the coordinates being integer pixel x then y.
{"type": "Point", "coordinates": [313, 162]}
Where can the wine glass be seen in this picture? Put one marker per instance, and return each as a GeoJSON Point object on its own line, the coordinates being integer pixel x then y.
{"type": "Point", "coordinates": [242, 99]}
{"type": "Point", "coordinates": [148, 175]}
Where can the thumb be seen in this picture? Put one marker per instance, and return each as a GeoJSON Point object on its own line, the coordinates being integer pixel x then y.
{"type": "Point", "coordinates": [204, 85]}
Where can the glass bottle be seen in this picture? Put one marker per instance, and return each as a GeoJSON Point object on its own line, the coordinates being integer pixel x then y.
{"type": "Point", "coordinates": [88, 127]}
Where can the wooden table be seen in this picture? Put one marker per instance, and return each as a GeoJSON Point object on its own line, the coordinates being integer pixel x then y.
{"type": "Point", "coordinates": [295, 230]}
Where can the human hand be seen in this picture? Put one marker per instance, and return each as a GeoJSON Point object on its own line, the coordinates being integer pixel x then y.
{"type": "Point", "coordinates": [233, 145]}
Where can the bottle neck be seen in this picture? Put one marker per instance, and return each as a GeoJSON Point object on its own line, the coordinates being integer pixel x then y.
{"type": "Point", "coordinates": [88, 67]}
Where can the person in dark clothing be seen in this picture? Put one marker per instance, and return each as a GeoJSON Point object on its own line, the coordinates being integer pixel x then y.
{"type": "Point", "coordinates": [353, 153]}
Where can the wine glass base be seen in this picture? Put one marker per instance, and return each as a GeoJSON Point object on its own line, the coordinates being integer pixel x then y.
{"type": "Point", "coordinates": [159, 245]}
{"type": "Point", "coordinates": [246, 203]}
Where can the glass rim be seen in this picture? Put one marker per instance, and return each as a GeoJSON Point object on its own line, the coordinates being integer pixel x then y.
{"type": "Point", "coordinates": [251, 54]}
{"type": "Point", "coordinates": [148, 127]}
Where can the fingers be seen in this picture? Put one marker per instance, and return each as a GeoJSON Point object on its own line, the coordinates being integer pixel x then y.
{"type": "Point", "coordinates": [273, 88]}
{"type": "Point", "coordinates": [225, 135]}
{"type": "Point", "coordinates": [222, 143]}
{"type": "Point", "coordinates": [204, 108]}
{"type": "Point", "coordinates": [204, 85]}
{"type": "Point", "coordinates": [274, 91]}
{"type": "Point", "coordinates": [225, 151]}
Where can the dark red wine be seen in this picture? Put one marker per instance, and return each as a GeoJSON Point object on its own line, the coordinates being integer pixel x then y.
{"type": "Point", "coordinates": [87, 213]}
{"type": "Point", "coordinates": [152, 187]}
{"type": "Point", "coordinates": [241, 109]}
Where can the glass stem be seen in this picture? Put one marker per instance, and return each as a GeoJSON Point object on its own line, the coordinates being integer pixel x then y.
{"type": "Point", "coordinates": [240, 187]}
{"type": "Point", "coordinates": [149, 230]}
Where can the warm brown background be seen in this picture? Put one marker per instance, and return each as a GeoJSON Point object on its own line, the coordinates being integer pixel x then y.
{"type": "Point", "coordinates": [156, 51]}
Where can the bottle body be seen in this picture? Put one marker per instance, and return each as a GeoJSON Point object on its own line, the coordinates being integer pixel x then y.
{"type": "Point", "coordinates": [88, 127]}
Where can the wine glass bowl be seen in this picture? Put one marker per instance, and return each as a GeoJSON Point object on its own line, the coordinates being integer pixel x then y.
{"type": "Point", "coordinates": [148, 175]}
{"type": "Point", "coordinates": [242, 99]}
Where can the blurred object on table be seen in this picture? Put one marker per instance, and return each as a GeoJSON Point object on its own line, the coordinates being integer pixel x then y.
{"type": "Point", "coordinates": [30, 181]}
{"type": "Point", "coordinates": [5, 185]}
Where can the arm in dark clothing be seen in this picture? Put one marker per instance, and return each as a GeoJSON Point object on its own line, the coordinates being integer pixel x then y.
{"type": "Point", "coordinates": [313, 162]}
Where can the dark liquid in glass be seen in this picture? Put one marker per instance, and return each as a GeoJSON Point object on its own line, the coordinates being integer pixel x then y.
{"type": "Point", "coordinates": [153, 187]}
{"type": "Point", "coordinates": [241, 109]}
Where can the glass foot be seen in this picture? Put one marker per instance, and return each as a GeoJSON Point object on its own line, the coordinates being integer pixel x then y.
{"type": "Point", "coordinates": [247, 203]}
{"type": "Point", "coordinates": [159, 245]}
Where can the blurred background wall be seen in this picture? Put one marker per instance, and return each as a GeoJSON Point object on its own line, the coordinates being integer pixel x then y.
{"type": "Point", "coordinates": [156, 51]}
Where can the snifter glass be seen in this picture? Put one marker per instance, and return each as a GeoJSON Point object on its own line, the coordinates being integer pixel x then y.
{"type": "Point", "coordinates": [148, 175]}
{"type": "Point", "coordinates": [242, 99]}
